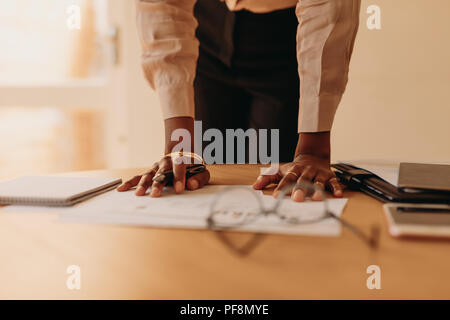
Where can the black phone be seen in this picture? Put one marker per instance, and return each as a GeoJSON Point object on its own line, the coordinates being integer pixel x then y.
{"type": "Point", "coordinates": [167, 176]}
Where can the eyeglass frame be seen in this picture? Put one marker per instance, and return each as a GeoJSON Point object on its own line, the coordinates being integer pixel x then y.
{"type": "Point", "coordinates": [371, 240]}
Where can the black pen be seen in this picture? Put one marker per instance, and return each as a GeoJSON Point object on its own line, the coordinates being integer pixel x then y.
{"type": "Point", "coordinates": [167, 176]}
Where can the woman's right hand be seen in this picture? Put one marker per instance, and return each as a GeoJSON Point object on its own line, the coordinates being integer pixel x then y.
{"type": "Point", "coordinates": [145, 181]}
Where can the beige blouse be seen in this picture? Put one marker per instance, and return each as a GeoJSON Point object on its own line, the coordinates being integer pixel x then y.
{"type": "Point", "coordinates": [325, 39]}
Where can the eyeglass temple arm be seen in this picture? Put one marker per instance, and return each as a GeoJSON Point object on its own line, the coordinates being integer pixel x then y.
{"type": "Point", "coordinates": [371, 240]}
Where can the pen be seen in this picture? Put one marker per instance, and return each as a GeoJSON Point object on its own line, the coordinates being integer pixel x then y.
{"type": "Point", "coordinates": [167, 176]}
{"type": "Point", "coordinates": [424, 209]}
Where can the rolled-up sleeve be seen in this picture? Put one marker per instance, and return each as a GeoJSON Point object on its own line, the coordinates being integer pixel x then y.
{"type": "Point", "coordinates": [170, 52]}
{"type": "Point", "coordinates": [325, 40]}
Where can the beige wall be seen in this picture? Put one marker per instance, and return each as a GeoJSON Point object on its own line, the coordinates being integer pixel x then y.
{"type": "Point", "coordinates": [138, 112]}
{"type": "Point", "coordinates": [397, 103]}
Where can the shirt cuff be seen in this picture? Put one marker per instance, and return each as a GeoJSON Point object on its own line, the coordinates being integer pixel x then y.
{"type": "Point", "coordinates": [316, 114]}
{"type": "Point", "coordinates": [177, 100]}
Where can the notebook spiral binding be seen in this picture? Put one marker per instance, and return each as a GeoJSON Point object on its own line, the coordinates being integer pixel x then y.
{"type": "Point", "coordinates": [33, 201]}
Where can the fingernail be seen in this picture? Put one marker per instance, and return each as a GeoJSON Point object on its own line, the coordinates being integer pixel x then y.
{"type": "Point", "coordinates": [317, 196]}
{"type": "Point", "coordinates": [140, 190]}
{"type": "Point", "coordinates": [275, 194]}
{"type": "Point", "coordinates": [193, 184]}
{"type": "Point", "coordinates": [338, 193]}
{"type": "Point", "coordinates": [298, 196]}
{"type": "Point", "coordinates": [178, 186]}
{"type": "Point", "coordinates": [155, 192]}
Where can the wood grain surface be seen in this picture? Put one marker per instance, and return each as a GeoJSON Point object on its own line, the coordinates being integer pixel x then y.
{"type": "Point", "coordinates": [120, 262]}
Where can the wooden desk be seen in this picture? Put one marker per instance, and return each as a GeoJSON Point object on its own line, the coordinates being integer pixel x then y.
{"type": "Point", "coordinates": [131, 263]}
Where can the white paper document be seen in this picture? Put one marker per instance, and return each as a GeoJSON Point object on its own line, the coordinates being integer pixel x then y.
{"type": "Point", "coordinates": [191, 209]}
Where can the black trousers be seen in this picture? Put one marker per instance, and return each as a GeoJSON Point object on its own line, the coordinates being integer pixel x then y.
{"type": "Point", "coordinates": [247, 72]}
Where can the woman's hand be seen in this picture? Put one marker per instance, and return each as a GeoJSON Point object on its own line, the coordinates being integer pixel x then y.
{"type": "Point", "coordinates": [304, 168]}
{"type": "Point", "coordinates": [145, 181]}
{"type": "Point", "coordinates": [311, 164]}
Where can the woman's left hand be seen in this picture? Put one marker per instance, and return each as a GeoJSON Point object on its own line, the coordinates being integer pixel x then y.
{"type": "Point", "coordinates": [311, 164]}
{"type": "Point", "coordinates": [304, 168]}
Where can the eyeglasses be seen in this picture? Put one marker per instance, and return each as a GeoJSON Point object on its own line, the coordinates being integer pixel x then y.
{"type": "Point", "coordinates": [228, 211]}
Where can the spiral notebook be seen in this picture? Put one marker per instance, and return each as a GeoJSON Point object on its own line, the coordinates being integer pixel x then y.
{"type": "Point", "coordinates": [53, 190]}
